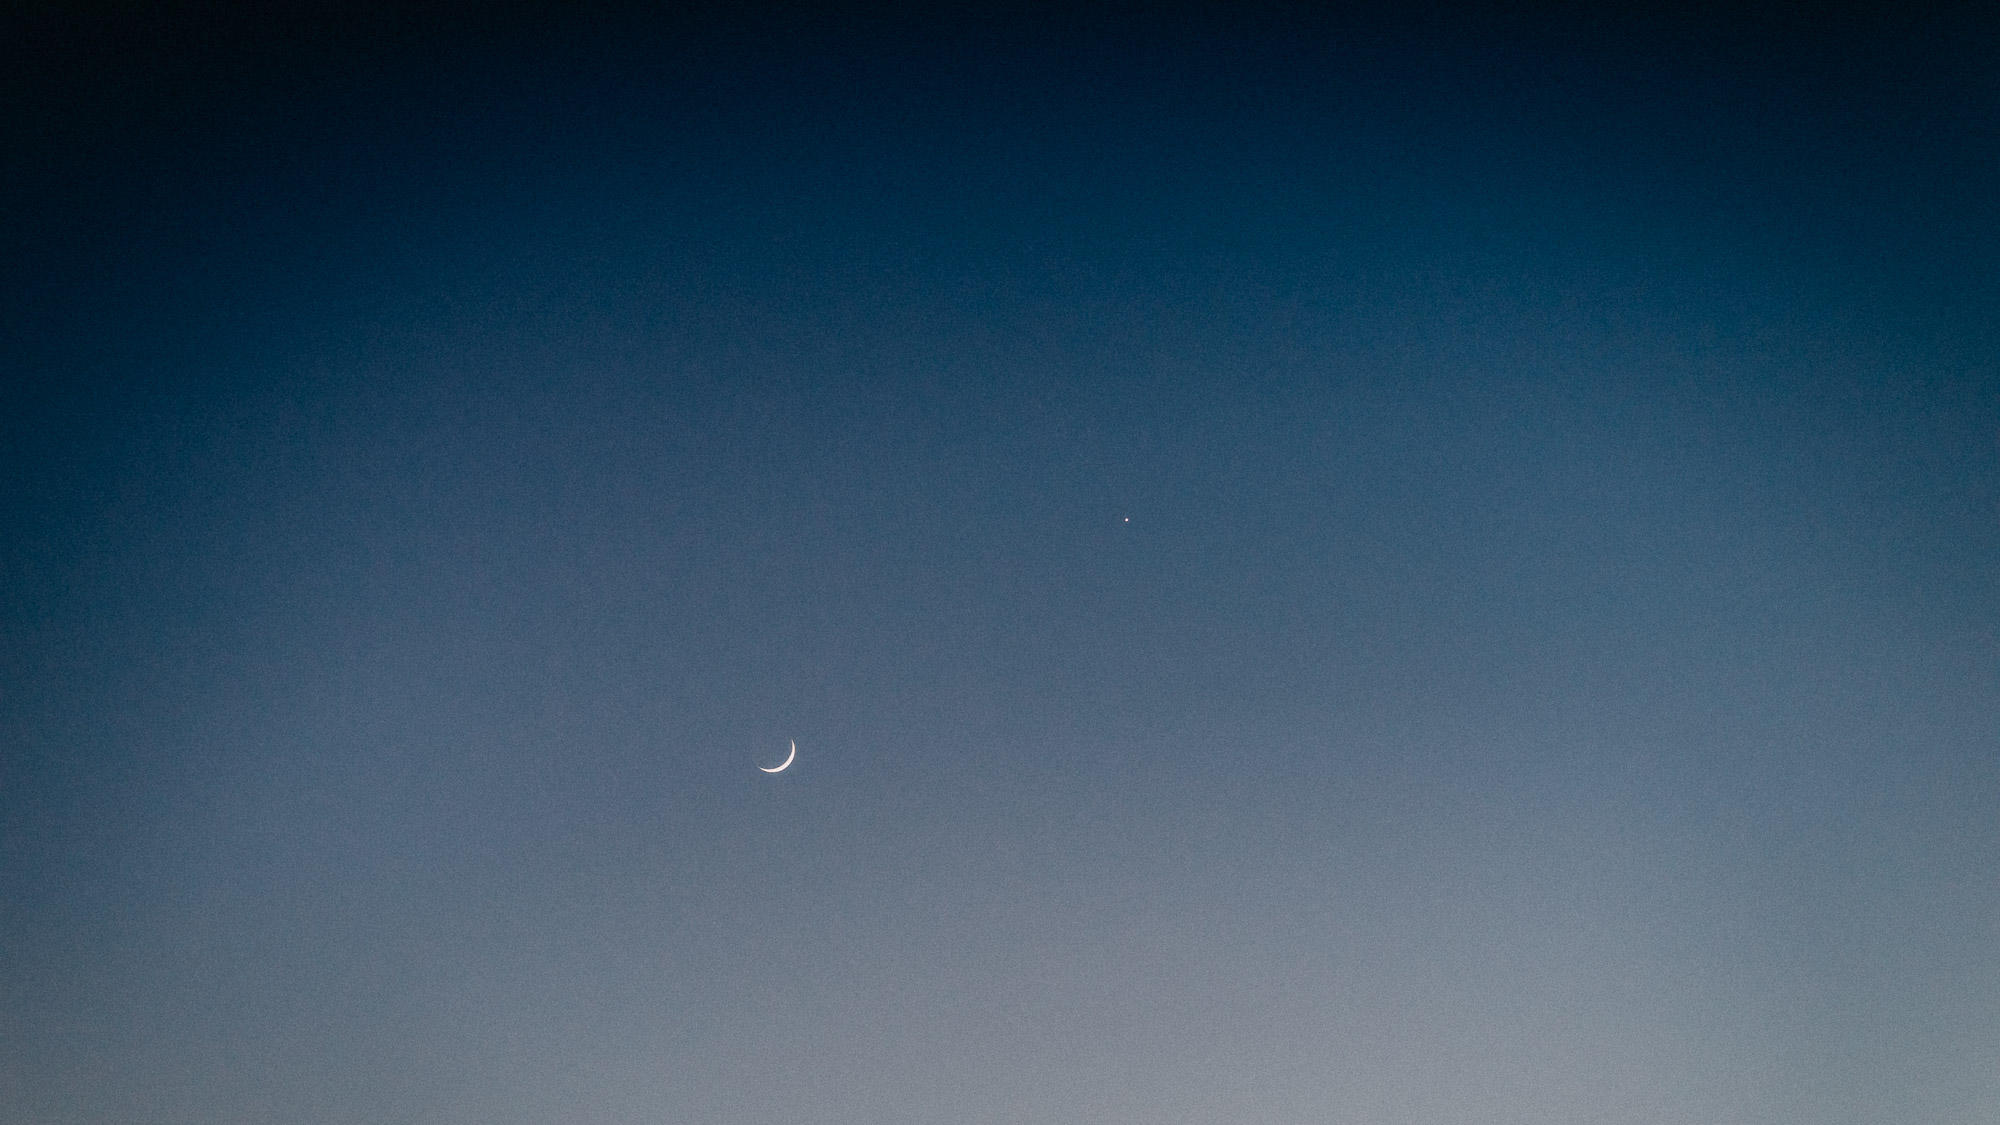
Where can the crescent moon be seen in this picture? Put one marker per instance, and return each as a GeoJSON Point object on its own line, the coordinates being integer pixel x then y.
{"type": "Point", "coordinates": [788, 761]}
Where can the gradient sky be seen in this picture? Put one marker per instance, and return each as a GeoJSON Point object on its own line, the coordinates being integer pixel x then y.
{"type": "Point", "coordinates": [1322, 569]}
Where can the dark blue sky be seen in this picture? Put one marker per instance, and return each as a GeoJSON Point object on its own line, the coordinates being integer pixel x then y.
{"type": "Point", "coordinates": [1321, 568]}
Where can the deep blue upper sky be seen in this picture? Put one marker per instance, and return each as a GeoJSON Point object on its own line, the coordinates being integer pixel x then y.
{"type": "Point", "coordinates": [1322, 568]}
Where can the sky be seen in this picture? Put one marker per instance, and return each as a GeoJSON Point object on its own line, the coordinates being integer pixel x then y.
{"type": "Point", "coordinates": [1321, 567]}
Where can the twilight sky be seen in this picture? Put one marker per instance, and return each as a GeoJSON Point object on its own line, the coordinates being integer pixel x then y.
{"type": "Point", "coordinates": [1322, 569]}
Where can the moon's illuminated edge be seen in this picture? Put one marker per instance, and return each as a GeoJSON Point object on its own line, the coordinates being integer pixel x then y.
{"type": "Point", "coordinates": [787, 761]}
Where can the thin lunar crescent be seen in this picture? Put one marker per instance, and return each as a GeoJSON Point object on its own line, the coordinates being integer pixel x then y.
{"type": "Point", "coordinates": [787, 762]}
